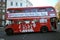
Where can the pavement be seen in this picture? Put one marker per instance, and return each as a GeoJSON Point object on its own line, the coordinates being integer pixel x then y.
{"type": "Point", "coordinates": [58, 22]}
{"type": "Point", "coordinates": [58, 27]}
{"type": "Point", "coordinates": [1, 29]}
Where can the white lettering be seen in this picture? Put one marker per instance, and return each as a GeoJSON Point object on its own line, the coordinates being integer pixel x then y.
{"type": "Point", "coordinates": [27, 14]}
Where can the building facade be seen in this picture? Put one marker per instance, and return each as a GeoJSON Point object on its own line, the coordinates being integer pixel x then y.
{"type": "Point", "coordinates": [2, 12]}
{"type": "Point", "coordinates": [18, 3]}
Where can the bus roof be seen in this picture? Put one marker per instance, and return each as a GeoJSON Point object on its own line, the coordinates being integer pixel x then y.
{"type": "Point", "coordinates": [29, 8]}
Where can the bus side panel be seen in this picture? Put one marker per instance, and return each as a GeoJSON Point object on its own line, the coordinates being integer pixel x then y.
{"type": "Point", "coordinates": [49, 25]}
{"type": "Point", "coordinates": [37, 28]}
{"type": "Point", "coordinates": [15, 28]}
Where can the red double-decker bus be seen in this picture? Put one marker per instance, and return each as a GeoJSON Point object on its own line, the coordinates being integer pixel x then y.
{"type": "Point", "coordinates": [30, 19]}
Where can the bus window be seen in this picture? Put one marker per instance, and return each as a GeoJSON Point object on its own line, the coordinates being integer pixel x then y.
{"type": "Point", "coordinates": [11, 11]}
{"type": "Point", "coordinates": [27, 21]}
{"type": "Point", "coordinates": [33, 10]}
{"type": "Point", "coordinates": [34, 21]}
{"type": "Point", "coordinates": [42, 10]}
{"type": "Point", "coordinates": [27, 10]}
{"type": "Point", "coordinates": [18, 11]}
{"type": "Point", "coordinates": [43, 20]}
{"type": "Point", "coordinates": [49, 9]}
{"type": "Point", "coordinates": [9, 22]}
{"type": "Point", "coordinates": [15, 11]}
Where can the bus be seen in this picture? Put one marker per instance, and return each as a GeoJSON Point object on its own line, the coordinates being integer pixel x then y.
{"type": "Point", "coordinates": [30, 19]}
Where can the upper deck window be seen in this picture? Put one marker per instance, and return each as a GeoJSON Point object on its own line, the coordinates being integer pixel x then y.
{"type": "Point", "coordinates": [18, 11]}
{"type": "Point", "coordinates": [27, 10]}
{"type": "Point", "coordinates": [31, 10]}
{"type": "Point", "coordinates": [49, 9]}
{"type": "Point", "coordinates": [42, 10]}
{"type": "Point", "coordinates": [34, 10]}
{"type": "Point", "coordinates": [15, 11]}
{"type": "Point", "coordinates": [10, 11]}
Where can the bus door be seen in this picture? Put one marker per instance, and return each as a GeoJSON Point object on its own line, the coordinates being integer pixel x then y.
{"type": "Point", "coordinates": [53, 23]}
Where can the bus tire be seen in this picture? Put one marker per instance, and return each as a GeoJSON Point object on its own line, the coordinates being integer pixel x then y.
{"type": "Point", "coordinates": [44, 29]}
{"type": "Point", "coordinates": [9, 31]}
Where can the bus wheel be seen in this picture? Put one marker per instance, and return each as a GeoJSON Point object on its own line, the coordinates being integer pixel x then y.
{"type": "Point", "coordinates": [9, 31]}
{"type": "Point", "coordinates": [44, 29]}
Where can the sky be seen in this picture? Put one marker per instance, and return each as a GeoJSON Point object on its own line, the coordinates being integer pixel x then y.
{"type": "Point", "coordinates": [44, 2]}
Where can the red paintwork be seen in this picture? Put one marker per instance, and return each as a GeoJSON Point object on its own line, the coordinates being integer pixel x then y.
{"type": "Point", "coordinates": [19, 27]}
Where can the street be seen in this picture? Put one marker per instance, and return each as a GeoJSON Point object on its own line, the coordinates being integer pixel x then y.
{"type": "Point", "coordinates": [32, 36]}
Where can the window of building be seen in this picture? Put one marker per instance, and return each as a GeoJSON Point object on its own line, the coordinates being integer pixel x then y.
{"type": "Point", "coordinates": [27, 5]}
{"type": "Point", "coordinates": [0, 0]}
{"type": "Point", "coordinates": [20, 4]}
{"type": "Point", "coordinates": [0, 10]}
{"type": "Point", "coordinates": [16, 4]}
{"type": "Point", "coordinates": [0, 4]}
{"type": "Point", "coordinates": [11, 3]}
{"type": "Point", "coordinates": [3, 10]}
{"type": "Point", "coordinates": [3, 0]}
{"type": "Point", "coordinates": [3, 5]}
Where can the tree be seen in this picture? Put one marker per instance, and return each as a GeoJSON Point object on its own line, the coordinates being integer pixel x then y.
{"type": "Point", "coordinates": [57, 6]}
